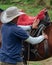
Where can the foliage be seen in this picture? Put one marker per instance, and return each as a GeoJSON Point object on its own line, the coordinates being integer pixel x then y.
{"type": "Point", "coordinates": [28, 8]}
{"type": "Point", "coordinates": [33, 2]}
{"type": "Point", "coordinates": [51, 2]}
{"type": "Point", "coordinates": [7, 1]}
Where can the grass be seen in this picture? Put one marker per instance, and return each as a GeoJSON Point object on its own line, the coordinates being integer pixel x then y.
{"type": "Point", "coordinates": [29, 9]}
{"type": "Point", "coordinates": [47, 61]}
{"type": "Point", "coordinates": [34, 63]}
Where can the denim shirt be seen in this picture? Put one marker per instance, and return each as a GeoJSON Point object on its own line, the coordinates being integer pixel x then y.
{"type": "Point", "coordinates": [12, 37]}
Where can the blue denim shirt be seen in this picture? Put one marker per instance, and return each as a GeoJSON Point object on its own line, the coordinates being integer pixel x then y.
{"type": "Point", "coordinates": [12, 37]}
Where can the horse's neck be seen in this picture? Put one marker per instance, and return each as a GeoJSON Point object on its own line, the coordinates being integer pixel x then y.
{"type": "Point", "coordinates": [48, 28]}
{"type": "Point", "coordinates": [0, 33]}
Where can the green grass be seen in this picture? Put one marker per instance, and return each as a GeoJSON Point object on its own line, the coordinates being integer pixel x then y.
{"type": "Point", "coordinates": [3, 6]}
{"type": "Point", "coordinates": [34, 63]}
{"type": "Point", "coordinates": [28, 8]}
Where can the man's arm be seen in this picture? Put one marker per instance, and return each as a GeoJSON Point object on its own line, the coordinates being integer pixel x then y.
{"type": "Point", "coordinates": [35, 40]}
{"type": "Point", "coordinates": [23, 35]}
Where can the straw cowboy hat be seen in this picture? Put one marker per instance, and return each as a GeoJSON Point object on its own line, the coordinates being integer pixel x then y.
{"type": "Point", "coordinates": [10, 13]}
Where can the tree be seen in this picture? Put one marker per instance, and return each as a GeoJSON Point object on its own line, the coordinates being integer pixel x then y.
{"type": "Point", "coordinates": [42, 2]}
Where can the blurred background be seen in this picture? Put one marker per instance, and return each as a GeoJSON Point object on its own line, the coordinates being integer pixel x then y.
{"type": "Point", "coordinates": [31, 7]}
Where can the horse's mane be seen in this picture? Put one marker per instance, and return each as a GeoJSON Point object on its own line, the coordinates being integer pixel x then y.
{"type": "Point", "coordinates": [1, 10]}
{"type": "Point", "coordinates": [49, 24]}
{"type": "Point", "coordinates": [48, 28]}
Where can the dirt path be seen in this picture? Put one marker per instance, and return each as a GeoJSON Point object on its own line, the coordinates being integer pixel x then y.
{"type": "Point", "coordinates": [43, 62]}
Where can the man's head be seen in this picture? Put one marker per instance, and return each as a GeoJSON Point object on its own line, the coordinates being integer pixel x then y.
{"type": "Point", "coordinates": [10, 14]}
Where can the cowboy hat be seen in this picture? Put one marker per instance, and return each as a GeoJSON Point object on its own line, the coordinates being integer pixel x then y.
{"type": "Point", "coordinates": [10, 13]}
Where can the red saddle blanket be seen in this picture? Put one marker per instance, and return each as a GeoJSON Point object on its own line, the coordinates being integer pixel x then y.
{"type": "Point", "coordinates": [28, 20]}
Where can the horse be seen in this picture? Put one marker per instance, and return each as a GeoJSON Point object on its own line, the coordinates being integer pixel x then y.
{"type": "Point", "coordinates": [42, 50]}
{"type": "Point", "coordinates": [1, 10]}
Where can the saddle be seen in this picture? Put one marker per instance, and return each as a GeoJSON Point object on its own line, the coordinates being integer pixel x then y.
{"type": "Point", "coordinates": [28, 20]}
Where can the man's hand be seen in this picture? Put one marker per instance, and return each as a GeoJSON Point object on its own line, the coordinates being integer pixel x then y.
{"type": "Point", "coordinates": [45, 36]}
{"type": "Point", "coordinates": [35, 23]}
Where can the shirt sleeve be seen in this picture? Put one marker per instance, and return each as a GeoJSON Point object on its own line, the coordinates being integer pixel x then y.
{"type": "Point", "coordinates": [28, 27]}
{"type": "Point", "coordinates": [20, 33]}
{"type": "Point", "coordinates": [35, 40]}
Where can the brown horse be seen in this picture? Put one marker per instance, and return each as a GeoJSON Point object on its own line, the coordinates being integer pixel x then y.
{"type": "Point", "coordinates": [40, 51]}
{"type": "Point", "coordinates": [0, 34]}
{"type": "Point", "coordinates": [44, 49]}
{"type": "Point", "coordinates": [1, 10]}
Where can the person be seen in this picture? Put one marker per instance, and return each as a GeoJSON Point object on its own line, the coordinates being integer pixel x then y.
{"type": "Point", "coordinates": [12, 36]}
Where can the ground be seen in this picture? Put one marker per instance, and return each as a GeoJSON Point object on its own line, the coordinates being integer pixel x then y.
{"type": "Point", "coordinates": [43, 62]}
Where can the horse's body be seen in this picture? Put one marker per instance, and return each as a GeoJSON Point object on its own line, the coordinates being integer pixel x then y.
{"type": "Point", "coordinates": [40, 51]}
{"type": "Point", "coordinates": [1, 10]}
{"type": "Point", "coordinates": [0, 33]}
{"type": "Point", "coordinates": [44, 49]}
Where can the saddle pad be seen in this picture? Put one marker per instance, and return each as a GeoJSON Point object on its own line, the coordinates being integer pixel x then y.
{"type": "Point", "coordinates": [28, 20]}
{"type": "Point", "coordinates": [25, 20]}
